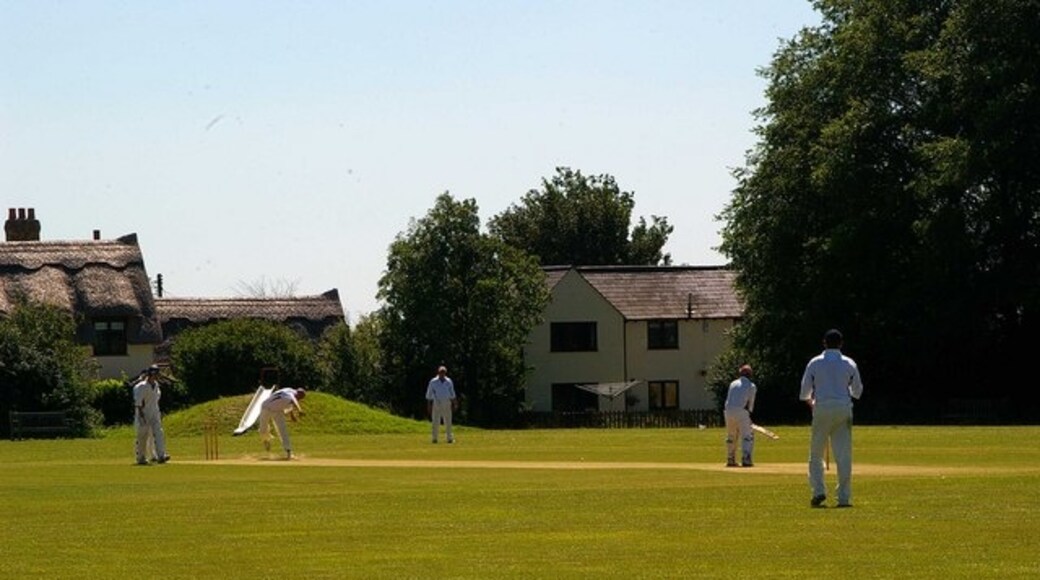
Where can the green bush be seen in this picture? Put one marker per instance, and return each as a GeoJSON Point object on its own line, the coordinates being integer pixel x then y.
{"type": "Point", "coordinates": [42, 368]}
{"type": "Point", "coordinates": [225, 358]}
{"type": "Point", "coordinates": [114, 399]}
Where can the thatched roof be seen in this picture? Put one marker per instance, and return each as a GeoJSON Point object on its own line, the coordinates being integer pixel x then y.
{"type": "Point", "coordinates": [666, 292]}
{"type": "Point", "coordinates": [312, 314]}
{"type": "Point", "coordinates": [94, 278]}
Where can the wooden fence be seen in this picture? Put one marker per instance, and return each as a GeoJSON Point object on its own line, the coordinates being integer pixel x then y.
{"type": "Point", "coordinates": [623, 419]}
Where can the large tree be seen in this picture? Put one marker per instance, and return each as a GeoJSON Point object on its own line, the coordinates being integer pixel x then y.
{"type": "Point", "coordinates": [895, 193]}
{"type": "Point", "coordinates": [582, 220]}
{"type": "Point", "coordinates": [458, 297]}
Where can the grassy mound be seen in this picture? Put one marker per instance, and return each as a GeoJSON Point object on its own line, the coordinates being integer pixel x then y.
{"type": "Point", "coordinates": [324, 414]}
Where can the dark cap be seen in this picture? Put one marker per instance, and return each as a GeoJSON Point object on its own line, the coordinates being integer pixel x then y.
{"type": "Point", "coordinates": [153, 370]}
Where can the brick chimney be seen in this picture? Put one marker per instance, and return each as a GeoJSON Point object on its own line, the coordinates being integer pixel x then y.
{"type": "Point", "coordinates": [22, 227]}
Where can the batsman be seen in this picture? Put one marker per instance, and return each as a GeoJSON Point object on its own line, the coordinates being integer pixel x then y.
{"type": "Point", "coordinates": [740, 402]}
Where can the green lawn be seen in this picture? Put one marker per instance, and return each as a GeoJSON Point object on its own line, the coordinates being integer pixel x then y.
{"type": "Point", "coordinates": [929, 502]}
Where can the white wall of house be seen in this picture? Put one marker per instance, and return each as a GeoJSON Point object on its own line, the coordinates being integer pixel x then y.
{"type": "Point", "coordinates": [138, 357]}
{"type": "Point", "coordinates": [700, 342]}
{"type": "Point", "coordinates": [574, 300]}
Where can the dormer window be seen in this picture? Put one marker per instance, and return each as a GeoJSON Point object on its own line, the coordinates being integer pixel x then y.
{"type": "Point", "coordinates": [110, 337]}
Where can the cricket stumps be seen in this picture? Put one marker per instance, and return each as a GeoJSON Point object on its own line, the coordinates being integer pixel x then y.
{"type": "Point", "coordinates": [210, 441]}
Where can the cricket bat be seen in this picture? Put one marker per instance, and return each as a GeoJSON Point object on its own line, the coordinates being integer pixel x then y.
{"type": "Point", "coordinates": [764, 431]}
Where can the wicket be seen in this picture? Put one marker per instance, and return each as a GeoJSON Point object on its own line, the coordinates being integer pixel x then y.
{"type": "Point", "coordinates": [210, 442]}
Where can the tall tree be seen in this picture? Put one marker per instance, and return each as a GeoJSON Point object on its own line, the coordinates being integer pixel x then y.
{"type": "Point", "coordinates": [895, 192]}
{"type": "Point", "coordinates": [458, 297]}
{"type": "Point", "coordinates": [575, 219]}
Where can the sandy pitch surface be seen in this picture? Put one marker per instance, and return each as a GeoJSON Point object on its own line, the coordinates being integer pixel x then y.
{"type": "Point", "coordinates": [762, 468]}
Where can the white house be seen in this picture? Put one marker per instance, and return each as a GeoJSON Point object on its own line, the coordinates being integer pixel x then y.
{"type": "Point", "coordinates": [630, 338]}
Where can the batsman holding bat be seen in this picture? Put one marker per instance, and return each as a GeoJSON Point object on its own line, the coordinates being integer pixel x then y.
{"type": "Point", "coordinates": [830, 383]}
{"type": "Point", "coordinates": [740, 402]}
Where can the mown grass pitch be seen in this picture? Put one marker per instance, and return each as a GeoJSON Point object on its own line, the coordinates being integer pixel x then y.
{"type": "Point", "coordinates": [929, 502]}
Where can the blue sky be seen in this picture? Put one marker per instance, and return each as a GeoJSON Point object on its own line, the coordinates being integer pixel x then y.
{"type": "Point", "coordinates": [249, 142]}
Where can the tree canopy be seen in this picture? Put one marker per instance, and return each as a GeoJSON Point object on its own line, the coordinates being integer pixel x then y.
{"type": "Point", "coordinates": [225, 358]}
{"type": "Point", "coordinates": [582, 220]}
{"type": "Point", "coordinates": [458, 297]}
{"type": "Point", "coordinates": [895, 193]}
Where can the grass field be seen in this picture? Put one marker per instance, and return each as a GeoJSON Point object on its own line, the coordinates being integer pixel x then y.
{"type": "Point", "coordinates": [929, 502]}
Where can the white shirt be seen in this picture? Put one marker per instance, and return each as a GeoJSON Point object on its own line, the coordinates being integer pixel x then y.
{"type": "Point", "coordinates": [146, 397]}
{"type": "Point", "coordinates": [741, 394]}
{"type": "Point", "coordinates": [282, 399]}
{"type": "Point", "coordinates": [440, 389]}
{"type": "Point", "coordinates": [831, 378]}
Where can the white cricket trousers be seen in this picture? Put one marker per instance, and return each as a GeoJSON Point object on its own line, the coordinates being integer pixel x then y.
{"type": "Point", "coordinates": [833, 424]}
{"type": "Point", "coordinates": [278, 416]}
{"type": "Point", "coordinates": [150, 426]}
{"type": "Point", "coordinates": [441, 410]}
{"type": "Point", "coordinates": [738, 428]}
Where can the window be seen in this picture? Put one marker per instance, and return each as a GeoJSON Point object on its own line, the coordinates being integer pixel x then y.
{"type": "Point", "coordinates": [662, 334]}
{"type": "Point", "coordinates": [663, 395]}
{"type": "Point", "coordinates": [109, 338]}
{"type": "Point", "coordinates": [572, 337]}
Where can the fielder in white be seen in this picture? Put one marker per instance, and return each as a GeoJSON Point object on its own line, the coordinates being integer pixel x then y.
{"type": "Point", "coordinates": [830, 382]}
{"type": "Point", "coordinates": [740, 402]}
{"type": "Point", "coordinates": [440, 402]}
{"type": "Point", "coordinates": [281, 402]}
{"type": "Point", "coordinates": [148, 419]}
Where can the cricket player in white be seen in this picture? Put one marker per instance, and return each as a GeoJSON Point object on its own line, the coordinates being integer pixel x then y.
{"type": "Point", "coordinates": [740, 402]}
{"type": "Point", "coordinates": [274, 409]}
{"type": "Point", "coordinates": [440, 401]}
{"type": "Point", "coordinates": [830, 382]}
{"type": "Point", "coordinates": [147, 417]}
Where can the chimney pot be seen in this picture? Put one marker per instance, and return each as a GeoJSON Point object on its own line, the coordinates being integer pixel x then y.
{"type": "Point", "coordinates": [97, 234]}
{"type": "Point", "coordinates": [20, 228]}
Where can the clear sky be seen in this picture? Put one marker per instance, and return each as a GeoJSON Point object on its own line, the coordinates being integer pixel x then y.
{"type": "Point", "coordinates": [260, 141]}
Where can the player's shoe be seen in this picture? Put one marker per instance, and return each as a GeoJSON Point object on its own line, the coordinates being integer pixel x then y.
{"type": "Point", "coordinates": [163, 459]}
{"type": "Point", "coordinates": [844, 505]}
{"type": "Point", "coordinates": [731, 463]}
{"type": "Point", "coordinates": [747, 464]}
{"type": "Point", "coordinates": [817, 501]}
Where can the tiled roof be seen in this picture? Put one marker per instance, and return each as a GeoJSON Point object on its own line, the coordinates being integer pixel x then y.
{"type": "Point", "coordinates": [667, 292]}
{"type": "Point", "coordinates": [92, 277]}
{"type": "Point", "coordinates": [199, 310]}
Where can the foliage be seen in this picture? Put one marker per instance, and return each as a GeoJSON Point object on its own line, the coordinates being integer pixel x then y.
{"type": "Point", "coordinates": [114, 399]}
{"type": "Point", "coordinates": [42, 368]}
{"type": "Point", "coordinates": [225, 358]}
{"type": "Point", "coordinates": [350, 361]}
{"type": "Point", "coordinates": [458, 297]}
{"type": "Point", "coordinates": [894, 193]}
{"type": "Point", "coordinates": [580, 220]}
